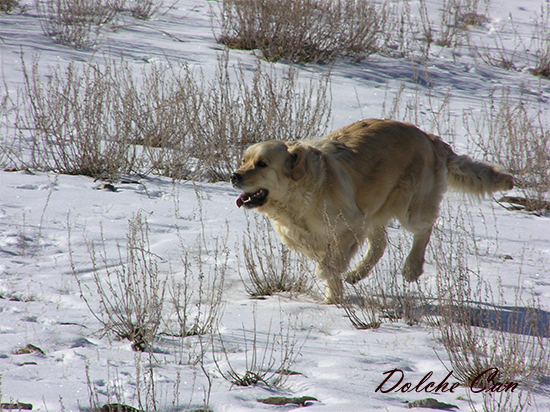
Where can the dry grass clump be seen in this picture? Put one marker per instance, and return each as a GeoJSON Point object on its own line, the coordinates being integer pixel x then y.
{"type": "Point", "coordinates": [236, 110]}
{"type": "Point", "coordinates": [480, 330]}
{"type": "Point", "coordinates": [138, 303]}
{"type": "Point", "coordinates": [77, 23]}
{"type": "Point", "coordinates": [72, 22]}
{"type": "Point", "coordinates": [7, 6]}
{"type": "Point", "coordinates": [455, 18]}
{"type": "Point", "coordinates": [519, 53]}
{"type": "Point", "coordinates": [102, 120]}
{"type": "Point", "coordinates": [384, 296]}
{"type": "Point", "coordinates": [302, 30]}
{"type": "Point", "coordinates": [131, 293]}
{"type": "Point", "coordinates": [507, 134]}
{"type": "Point", "coordinates": [266, 357]}
{"type": "Point", "coordinates": [70, 122]}
{"type": "Point", "coordinates": [270, 265]}
{"type": "Point", "coordinates": [540, 42]}
{"type": "Point", "coordinates": [143, 9]}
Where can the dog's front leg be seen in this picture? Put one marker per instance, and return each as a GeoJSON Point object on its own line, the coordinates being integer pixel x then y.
{"type": "Point", "coordinates": [376, 239]}
{"type": "Point", "coordinates": [333, 281]}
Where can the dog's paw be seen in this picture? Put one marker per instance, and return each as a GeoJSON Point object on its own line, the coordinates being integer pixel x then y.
{"type": "Point", "coordinates": [352, 277]}
{"type": "Point", "coordinates": [332, 300]}
{"type": "Point", "coordinates": [411, 273]}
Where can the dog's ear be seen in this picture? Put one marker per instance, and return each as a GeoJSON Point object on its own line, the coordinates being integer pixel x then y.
{"type": "Point", "coordinates": [296, 162]}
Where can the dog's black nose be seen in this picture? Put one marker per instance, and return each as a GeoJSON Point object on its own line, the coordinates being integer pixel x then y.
{"type": "Point", "coordinates": [235, 179]}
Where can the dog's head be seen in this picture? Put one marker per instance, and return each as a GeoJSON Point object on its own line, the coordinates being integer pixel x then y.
{"type": "Point", "coordinates": [267, 171]}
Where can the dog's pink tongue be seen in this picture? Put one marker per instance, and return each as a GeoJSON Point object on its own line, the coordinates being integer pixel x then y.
{"type": "Point", "coordinates": [240, 201]}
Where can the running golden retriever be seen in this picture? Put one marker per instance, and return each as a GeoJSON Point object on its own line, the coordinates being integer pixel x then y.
{"type": "Point", "coordinates": [325, 197]}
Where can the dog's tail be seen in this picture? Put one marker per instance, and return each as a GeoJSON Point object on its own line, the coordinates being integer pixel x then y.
{"type": "Point", "coordinates": [470, 176]}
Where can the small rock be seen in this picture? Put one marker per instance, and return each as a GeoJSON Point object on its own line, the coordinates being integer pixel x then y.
{"type": "Point", "coordinates": [17, 406]}
{"type": "Point", "coordinates": [432, 404]}
{"type": "Point", "coordinates": [30, 348]}
{"type": "Point", "coordinates": [281, 400]}
{"type": "Point", "coordinates": [106, 186]}
{"type": "Point", "coordinates": [118, 407]}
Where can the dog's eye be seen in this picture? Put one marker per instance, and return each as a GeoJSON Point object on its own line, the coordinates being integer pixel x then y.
{"type": "Point", "coordinates": [261, 164]}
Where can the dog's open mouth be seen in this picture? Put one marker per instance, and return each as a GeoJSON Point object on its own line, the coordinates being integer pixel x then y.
{"type": "Point", "coordinates": [251, 200]}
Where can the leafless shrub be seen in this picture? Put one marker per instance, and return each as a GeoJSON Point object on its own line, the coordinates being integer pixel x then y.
{"type": "Point", "coordinates": [139, 9]}
{"type": "Point", "coordinates": [6, 144]}
{"type": "Point", "coordinates": [235, 111]}
{"type": "Point", "coordinates": [145, 392]}
{"type": "Point", "coordinates": [302, 31]}
{"type": "Point", "coordinates": [144, 9]}
{"type": "Point", "coordinates": [384, 295]}
{"type": "Point", "coordinates": [71, 22]}
{"type": "Point", "coordinates": [105, 121]}
{"type": "Point", "coordinates": [270, 265]}
{"type": "Point", "coordinates": [447, 33]}
{"type": "Point", "coordinates": [267, 359]}
{"type": "Point", "coordinates": [137, 304]}
{"type": "Point", "coordinates": [508, 134]}
{"type": "Point", "coordinates": [512, 51]}
{"type": "Point", "coordinates": [131, 293]}
{"type": "Point", "coordinates": [455, 17]}
{"type": "Point", "coordinates": [478, 329]}
{"type": "Point", "coordinates": [7, 6]}
{"type": "Point", "coordinates": [194, 128]}
{"type": "Point", "coordinates": [503, 53]}
{"type": "Point", "coordinates": [398, 35]}
{"type": "Point", "coordinates": [70, 123]}
{"type": "Point", "coordinates": [152, 113]}
{"type": "Point", "coordinates": [540, 42]}
{"type": "Point", "coordinates": [195, 302]}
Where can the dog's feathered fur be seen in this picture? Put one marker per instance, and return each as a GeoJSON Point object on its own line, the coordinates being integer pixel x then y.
{"type": "Point", "coordinates": [326, 197]}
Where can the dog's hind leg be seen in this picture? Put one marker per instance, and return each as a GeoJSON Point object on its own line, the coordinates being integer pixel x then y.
{"type": "Point", "coordinates": [415, 261]}
{"type": "Point", "coordinates": [376, 240]}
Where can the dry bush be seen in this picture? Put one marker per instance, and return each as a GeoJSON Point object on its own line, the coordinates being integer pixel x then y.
{"type": "Point", "coordinates": [144, 9]}
{"type": "Point", "coordinates": [70, 122]}
{"type": "Point", "coordinates": [139, 9]}
{"type": "Point", "coordinates": [508, 134]}
{"type": "Point", "coordinates": [236, 110]}
{"type": "Point", "coordinates": [520, 53]}
{"type": "Point", "coordinates": [195, 304]}
{"type": "Point", "coordinates": [195, 301]}
{"type": "Point", "coordinates": [77, 23]}
{"type": "Point", "coordinates": [504, 52]}
{"type": "Point", "coordinates": [384, 295]}
{"type": "Point", "coordinates": [194, 128]}
{"type": "Point", "coordinates": [540, 42]}
{"type": "Point", "coordinates": [104, 121]}
{"type": "Point", "coordinates": [72, 22]}
{"type": "Point", "coordinates": [139, 304]}
{"type": "Point", "coordinates": [146, 391]}
{"type": "Point", "coordinates": [270, 265]}
{"type": "Point", "coordinates": [302, 30]}
{"type": "Point", "coordinates": [455, 17]}
{"type": "Point", "coordinates": [480, 330]}
{"type": "Point", "coordinates": [152, 115]}
{"type": "Point", "coordinates": [7, 6]}
{"type": "Point", "coordinates": [6, 107]}
{"type": "Point", "coordinates": [131, 292]}
{"type": "Point", "coordinates": [267, 356]}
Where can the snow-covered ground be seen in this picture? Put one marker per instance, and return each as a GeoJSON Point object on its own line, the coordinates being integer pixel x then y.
{"type": "Point", "coordinates": [49, 221]}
